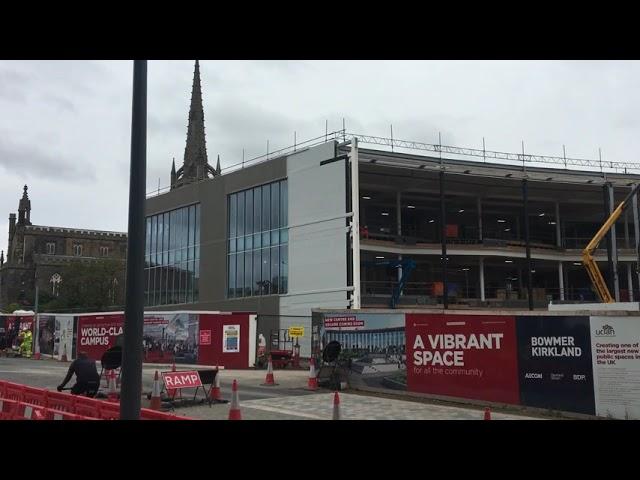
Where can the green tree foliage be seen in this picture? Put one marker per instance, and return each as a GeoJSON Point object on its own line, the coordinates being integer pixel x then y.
{"type": "Point", "coordinates": [88, 286]}
{"type": "Point", "coordinates": [12, 308]}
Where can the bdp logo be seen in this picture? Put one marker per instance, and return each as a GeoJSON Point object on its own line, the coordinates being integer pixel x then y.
{"type": "Point", "coordinates": [605, 331]}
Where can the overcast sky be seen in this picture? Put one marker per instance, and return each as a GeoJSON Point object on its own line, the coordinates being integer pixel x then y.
{"type": "Point", "coordinates": [65, 125]}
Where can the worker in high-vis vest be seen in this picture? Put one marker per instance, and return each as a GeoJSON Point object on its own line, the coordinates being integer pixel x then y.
{"type": "Point", "coordinates": [27, 343]}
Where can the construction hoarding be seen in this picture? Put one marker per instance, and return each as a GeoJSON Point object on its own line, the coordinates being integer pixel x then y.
{"type": "Point", "coordinates": [573, 363]}
{"type": "Point", "coordinates": [615, 344]}
{"type": "Point", "coordinates": [231, 337]}
{"type": "Point", "coordinates": [462, 356]}
{"type": "Point", "coordinates": [554, 358]}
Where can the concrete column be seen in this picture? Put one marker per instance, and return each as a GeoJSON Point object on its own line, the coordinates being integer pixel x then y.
{"type": "Point", "coordinates": [480, 219]}
{"type": "Point", "coordinates": [561, 280]}
{"type": "Point", "coordinates": [626, 229]}
{"type": "Point", "coordinates": [627, 244]}
{"type": "Point", "coordinates": [558, 234]}
{"type": "Point", "coordinates": [355, 224]}
{"type": "Point", "coordinates": [399, 213]}
{"type": "Point", "coordinates": [614, 247]}
{"type": "Point", "coordinates": [636, 228]}
{"type": "Point", "coordinates": [481, 270]}
{"type": "Point", "coordinates": [399, 227]}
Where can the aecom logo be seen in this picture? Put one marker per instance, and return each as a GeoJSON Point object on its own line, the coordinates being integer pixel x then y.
{"type": "Point", "coordinates": [533, 375]}
{"type": "Point", "coordinates": [605, 331]}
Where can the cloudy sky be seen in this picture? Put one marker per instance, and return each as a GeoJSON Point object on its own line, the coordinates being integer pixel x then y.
{"type": "Point", "coordinates": [65, 125]}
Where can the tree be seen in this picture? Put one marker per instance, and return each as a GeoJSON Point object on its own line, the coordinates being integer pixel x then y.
{"type": "Point", "coordinates": [89, 286]}
{"type": "Point", "coordinates": [12, 308]}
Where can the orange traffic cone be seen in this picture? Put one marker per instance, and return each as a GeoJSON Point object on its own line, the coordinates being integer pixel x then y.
{"type": "Point", "coordinates": [112, 395]}
{"type": "Point", "coordinates": [215, 391]}
{"type": "Point", "coordinates": [155, 395]}
{"type": "Point", "coordinates": [487, 413]}
{"type": "Point", "coordinates": [336, 406]}
{"type": "Point", "coordinates": [269, 380]}
{"type": "Point", "coordinates": [234, 411]}
{"type": "Point", "coordinates": [313, 380]}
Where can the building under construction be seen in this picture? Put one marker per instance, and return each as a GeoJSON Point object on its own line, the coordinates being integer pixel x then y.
{"type": "Point", "coordinates": [355, 221]}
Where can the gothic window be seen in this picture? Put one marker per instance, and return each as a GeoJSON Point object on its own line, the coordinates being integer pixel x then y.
{"type": "Point", "coordinates": [51, 248]}
{"type": "Point", "coordinates": [104, 251]}
{"type": "Point", "coordinates": [77, 250]}
{"type": "Point", "coordinates": [55, 282]}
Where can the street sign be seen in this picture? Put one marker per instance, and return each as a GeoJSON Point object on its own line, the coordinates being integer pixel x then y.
{"type": "Point", "coordinates": [296, 332]}
{"type": "Point", "coordinates": [189, 379]}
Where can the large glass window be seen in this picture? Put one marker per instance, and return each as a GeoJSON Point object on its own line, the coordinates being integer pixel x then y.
{"type": "Point", "coordinates": [172, 257]}
{"type": "Point", "coordinates": [258, 241]}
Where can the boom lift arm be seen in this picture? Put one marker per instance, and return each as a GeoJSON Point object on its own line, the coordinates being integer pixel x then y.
{"type": "Point", "coordinates": [587, 254]}
{"type": "Point", "coordinates": [408, 265]}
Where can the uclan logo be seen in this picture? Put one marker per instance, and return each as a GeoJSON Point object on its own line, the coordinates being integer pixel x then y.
{"type": "Point", "coordinates": [606, 331]}
{"type": "Point", "coordinates": [533, 375]}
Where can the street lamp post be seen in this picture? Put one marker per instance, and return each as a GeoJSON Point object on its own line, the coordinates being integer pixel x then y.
{"type": "Point", "coordinates": [131, 392]}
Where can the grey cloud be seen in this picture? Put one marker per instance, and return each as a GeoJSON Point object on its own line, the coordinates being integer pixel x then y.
{"type": "Point", "coordinates": [13, 85]}
{"type": "Point", "coordinates": [60, 102]}
{"type": "Point", "coordinates": [33, 162]}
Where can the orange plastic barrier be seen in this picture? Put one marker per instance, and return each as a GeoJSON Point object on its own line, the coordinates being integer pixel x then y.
{"type": "Point", "coordinates": [14, 391]}
{"type": "Point", "coordinates": [110, 411]}
{"type": "Point", "coordinates": [35, 396]}
{"type": "Point", "coordinates": [62, 402]}
{"type": "Point", "coordinates": [7, 409]}
{"type": "Point", "coordinates": [21, 402]}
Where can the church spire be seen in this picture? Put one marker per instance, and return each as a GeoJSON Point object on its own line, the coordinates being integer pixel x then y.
{"type": "Point", "coordinates": [218, 171]}
{"type": "Point", "coordinates": [195, 152]}
{"type": "Point", "coordinates": [24, 209]}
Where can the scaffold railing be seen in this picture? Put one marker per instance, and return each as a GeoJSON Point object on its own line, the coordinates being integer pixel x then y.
{"type": "Point", "coordinates": [460, 153]}
{"type": "Point", "coordinates": [519, 158]}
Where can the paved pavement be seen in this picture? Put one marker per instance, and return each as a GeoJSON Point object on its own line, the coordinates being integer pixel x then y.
{"type": "Point", "coordinates": [289, 400]}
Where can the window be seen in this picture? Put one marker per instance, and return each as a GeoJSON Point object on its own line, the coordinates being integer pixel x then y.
{"type": "Point", "coordinates": [172, 257]}
{"type": "Point", "coordinates": [51, 248]}
{"type": "Point", "coordinates": [258, 241]}
{"type": "Point", "coordinates": [77, 249]}
{"type": "Point", "coordinates": [104, 251]}
{"type": "Point", "coordinates": [55, 281]}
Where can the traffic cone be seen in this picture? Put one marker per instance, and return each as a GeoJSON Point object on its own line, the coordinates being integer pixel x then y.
{"type": "Point", "coordinates": [112, 395]}
{"type": "Point", "coordinates": [155, 395]}
{"type": "Point", "coordinates": [313, 380]}
{"type": "Point", "coordinates": [234, 411]}
{"type": "Point", "coordinates": [487, 413]}
{"type": "Point", "coordinates": [269, 380]}
{"type": "Point", "coordinates": [215, 391]}
{"type": "Point", "coordinates": [336, 406]}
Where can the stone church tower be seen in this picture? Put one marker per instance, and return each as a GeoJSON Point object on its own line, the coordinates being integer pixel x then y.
{"type": "Point", "coordinates": [195, 165]}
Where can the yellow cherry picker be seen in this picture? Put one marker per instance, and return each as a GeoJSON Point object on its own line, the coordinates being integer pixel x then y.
{"type": "Point", "coordinates": [587, 254]}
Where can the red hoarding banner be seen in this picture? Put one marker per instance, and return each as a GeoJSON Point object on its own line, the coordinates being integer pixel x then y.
{"type": "Point", "coordinates": [467, 356]}
{"type": "Point", "coordinates": [342, 322]}
{"type": "Point", "coordinates": [25, 321]}
{"type": "Point", "coordinates": [96, 334]}
{"type": "Point", "coordinates": [205, 337]}
{"type": "Point", "coordinates": [214, 353]}
{"type": "Point", "coordinates": [190, 379]}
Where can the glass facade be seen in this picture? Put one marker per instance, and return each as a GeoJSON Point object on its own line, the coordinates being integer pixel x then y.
{"type": "Point", "coordinates": [257, 247]}
{"type": "Point", "coordinates": [172, 257]}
